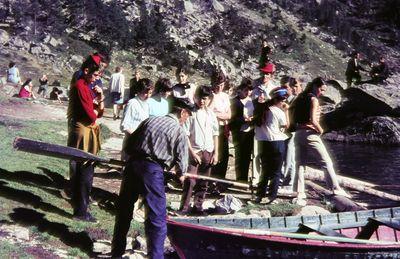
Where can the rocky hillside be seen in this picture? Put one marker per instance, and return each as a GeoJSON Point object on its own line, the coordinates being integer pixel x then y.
{"type": "Point", "coordinates": [309, 38]}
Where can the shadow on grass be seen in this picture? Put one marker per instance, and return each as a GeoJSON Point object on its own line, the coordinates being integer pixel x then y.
{"type": "Point", "coordinates": [105, 199]}
{"type": "Point", "coordinates": [26, 197]}
{"type": "Point", "coordinates": [47, 183]}
{"type": "Point", "coordinates": [30, 179]}
{"type": "Point", "coordinates": [31, 217]}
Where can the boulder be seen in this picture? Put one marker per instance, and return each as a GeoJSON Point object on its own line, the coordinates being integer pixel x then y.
{"type": "Point", "coordinates": [4, 37]}
{"type": "Point", "coordinates": [188, 7]}
{"type": "Point", "coordinates": [218, 6]}
{"type": "Point", "coordinates": [381, 130]}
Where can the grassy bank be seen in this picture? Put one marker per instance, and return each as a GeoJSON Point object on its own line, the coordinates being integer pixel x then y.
{"type": "Point", "coordinates": [30, 193]}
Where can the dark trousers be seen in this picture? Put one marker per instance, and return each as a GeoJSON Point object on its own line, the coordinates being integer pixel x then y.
{"type": "Point", "coordinates": [219, 170]}
{"type": "Point", "coordinates": [81, 186]}
{"type": "Point", "coordinates": [199, 187]}
{"type": "Point", "coordinates": [147, 179]}
{"type": "Point", "coordinates": [243, 142]}
{"type": "Point", "coordinates": [273, 153]}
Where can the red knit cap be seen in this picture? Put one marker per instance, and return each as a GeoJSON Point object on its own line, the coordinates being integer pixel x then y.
{"type": "Point", "coordinates": [96, 59]}
{"type": "Point", "coordinates": [268, 68]}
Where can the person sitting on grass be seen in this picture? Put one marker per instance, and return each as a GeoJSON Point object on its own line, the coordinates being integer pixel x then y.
{"type": "Point", "coordinates": [55, 94]}
{"type": "Point", "coordinates": [26, 90]}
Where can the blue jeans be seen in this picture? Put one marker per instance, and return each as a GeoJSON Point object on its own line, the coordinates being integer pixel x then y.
{"type": "Point", "coordinates": [272, 155]}
{"type": "Point", "coordinates": [147, 179]}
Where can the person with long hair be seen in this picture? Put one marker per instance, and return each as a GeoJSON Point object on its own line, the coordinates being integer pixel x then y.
{"type": "Point", "coordinates": [26, 90]}
{"type": "Point", "coordinates": [269, 131]}
{"type": "Point", "coordinates": [221, 106]}
{"type": "Point", "coordinates": [308, 143]}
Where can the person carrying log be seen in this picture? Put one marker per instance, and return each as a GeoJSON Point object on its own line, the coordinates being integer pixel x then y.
{"type": "Point", "coordinates": [156, 146]}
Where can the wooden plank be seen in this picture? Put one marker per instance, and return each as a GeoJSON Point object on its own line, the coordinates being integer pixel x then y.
{"type": "Point", "coordinates": [293, 221]}
{"type": "Point", "coordinates": [327, 219]}
{"type": "Point", "coordinates": [363, 215]}
{"type": "Point", "coordinates": [260, 223]}
{"type": "Point", "coordinates": [305, 228]}
{"type": "Point", "coordinates": [277, 222]}
{"type": "Point", "coordinates": [347, 217]}
{"type": "Point", "coordinates": [396, 212]}
{"type": "Point", "coordinates": [311, 220]}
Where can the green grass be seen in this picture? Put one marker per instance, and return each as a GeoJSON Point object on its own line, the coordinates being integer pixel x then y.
{"type": "Point", "coordinates": [277, 210]}
{"type": "Point", "coordinates": [30, 184]}
{"type": "Point", "coordinates": [9, 250]}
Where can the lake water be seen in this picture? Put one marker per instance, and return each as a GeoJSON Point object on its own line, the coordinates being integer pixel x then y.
{"type": "Point", "coordinates": [375, 164]}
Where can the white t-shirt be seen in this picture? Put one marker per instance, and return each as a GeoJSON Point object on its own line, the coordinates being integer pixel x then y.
{"type": "Point", "coordinates": [248, 111]}
{"type": "Point", "coordinates": [201, 128]}
{"type": "Point", "coordinates": [272, 129]}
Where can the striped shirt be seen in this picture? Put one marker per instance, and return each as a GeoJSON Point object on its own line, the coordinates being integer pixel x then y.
{"type": "Point", "coordinates": [160, 139]}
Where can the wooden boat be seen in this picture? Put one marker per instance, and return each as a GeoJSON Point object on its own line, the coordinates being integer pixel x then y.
{"type": "Point", "coordinates": [360, 234]}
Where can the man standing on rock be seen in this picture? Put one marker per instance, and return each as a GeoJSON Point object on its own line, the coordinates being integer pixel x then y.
{"type": "Point", "coordinates": [157, 145]}
{"type": "Point", "coordinates": [353, 69]}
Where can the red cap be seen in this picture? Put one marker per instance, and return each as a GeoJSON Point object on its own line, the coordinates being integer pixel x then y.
{"type": "Point", "coordinates": [96, 59]}
{"type": "Point", "coordinates": [268, 68]}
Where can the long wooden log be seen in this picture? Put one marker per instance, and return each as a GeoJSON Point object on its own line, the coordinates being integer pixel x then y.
{"type": "Point", "coordinates": [64, 152]}
{"type": "Point", "coordinates": [341, 203]}
{"type": "Point", "coordinates": [351, 183]}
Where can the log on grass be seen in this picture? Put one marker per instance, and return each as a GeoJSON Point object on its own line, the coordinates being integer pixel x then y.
{"type": "Point", "coordinates": [351, 183]}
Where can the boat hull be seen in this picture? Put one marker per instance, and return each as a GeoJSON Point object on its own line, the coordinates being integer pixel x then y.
{"type": "Point", "coordinates": [194, 241]}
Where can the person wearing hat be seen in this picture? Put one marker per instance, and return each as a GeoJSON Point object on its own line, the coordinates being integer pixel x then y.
{"type": "Point", "coordinates": [308, 143]}
{"type": "Point", "coordinates": [265, 84]}
{"type": "Point", "coordinates": [158, 144]}
{"type": "Point", "coordinates": [260, 93]}
{"type": "Point", "coordinates": [270, 132]}
{"type": "Point", "coordinates": [83, 133]}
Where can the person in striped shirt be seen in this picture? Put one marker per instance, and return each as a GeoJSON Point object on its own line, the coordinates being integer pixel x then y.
{"type": "Point", "coordinates": [158, 144]}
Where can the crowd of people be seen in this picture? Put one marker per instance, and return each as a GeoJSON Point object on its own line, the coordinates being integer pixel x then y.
{"type": "Point", "coordinates": [186, 128]}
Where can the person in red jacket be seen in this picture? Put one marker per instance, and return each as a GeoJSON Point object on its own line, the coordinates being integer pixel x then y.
{"type": "Point", "coordinates": [83, 133]}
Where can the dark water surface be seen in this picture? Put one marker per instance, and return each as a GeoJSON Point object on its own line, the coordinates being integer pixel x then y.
{"type": "Point", "coordinates": [375, 164]}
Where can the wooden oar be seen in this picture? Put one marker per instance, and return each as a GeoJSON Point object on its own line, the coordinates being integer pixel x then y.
{"type": "Point", "coordinates": [63, 152]}
{"type": "Point", "coordinates": [260, 232]}
{"type": "Point", "coordinates": [351, 183]}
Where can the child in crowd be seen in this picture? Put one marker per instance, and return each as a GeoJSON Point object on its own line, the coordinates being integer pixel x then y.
{"type": "Point", "coordinates": [183, 89]}
{"type": "Point", "coordinates": [202, 131]}
{"type": "Point", "coordinates": [158, 103]}
{"type": "Point", "coordinates": [137, 109]}
{"type": "Point", "coordinates": [242, 128]}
